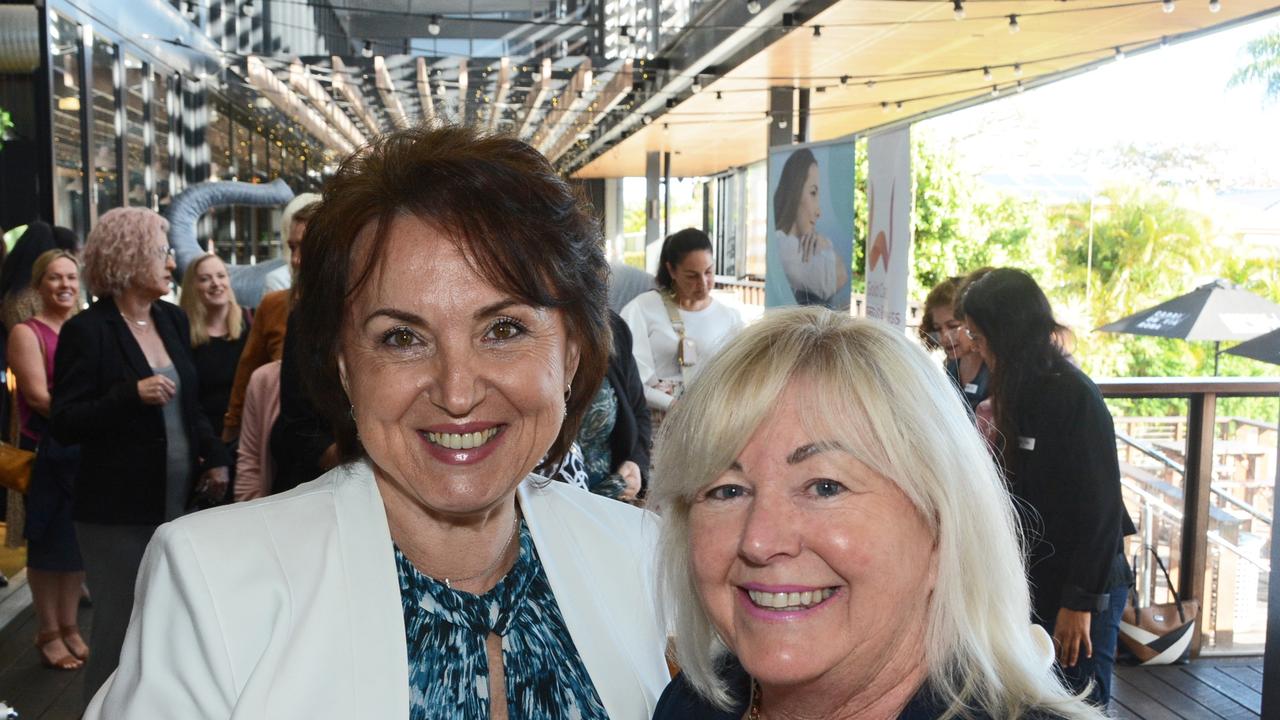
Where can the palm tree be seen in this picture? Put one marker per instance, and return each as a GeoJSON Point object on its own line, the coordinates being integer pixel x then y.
{"type": "Point", "coordinates": [1263, 66]}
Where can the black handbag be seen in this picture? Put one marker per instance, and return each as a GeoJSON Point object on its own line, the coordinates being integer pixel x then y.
{"type": "Point", "coordinates": [1159, 634]}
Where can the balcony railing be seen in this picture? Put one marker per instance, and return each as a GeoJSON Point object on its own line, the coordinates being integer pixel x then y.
{"type": "Point", "coordinates": [1201, 489]}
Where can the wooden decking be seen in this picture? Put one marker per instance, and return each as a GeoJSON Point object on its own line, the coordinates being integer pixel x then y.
{"type": "Point", "coordinates": [1207, 689]}
{"type": "Point", "coordinates": [25, 685]}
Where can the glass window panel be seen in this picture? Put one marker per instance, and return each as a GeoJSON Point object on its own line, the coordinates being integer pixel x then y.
{"type": "Point", "coordinates": [106, 125]}
{"type": "Point", "coordinates": [218, 136]}
{"type": "Point", "coordinates": [243, 152]}
{"type": "Point", "coordinates": [162, 151]}
{"type": "Point", "coordinates": [262, 164]}
{"type": "Point", "coordinates": [135, 162]}
{"type": "Point", "coordinates": [65, 50]}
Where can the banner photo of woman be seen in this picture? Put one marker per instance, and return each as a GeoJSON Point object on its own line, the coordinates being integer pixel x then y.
{"type": "Point", "coordinates": [808, 254]}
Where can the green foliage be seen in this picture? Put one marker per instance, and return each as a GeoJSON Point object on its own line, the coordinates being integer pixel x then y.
{"type": "Point", "coordinates": [1263, 66]}
{"type": "Point", "coordinates": [6, 124]}
{"type": "Point", "coordinates": [1150, 243]}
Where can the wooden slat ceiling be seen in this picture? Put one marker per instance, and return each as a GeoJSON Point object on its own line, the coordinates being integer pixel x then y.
{"type": "Point", "coordinates": [708, 135]}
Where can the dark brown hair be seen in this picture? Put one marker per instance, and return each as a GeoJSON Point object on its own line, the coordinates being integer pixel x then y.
{"type": "Point", "coordinates": [520, 225]}
{"type": "Point", "coordinates": [674, 249]}
{"type": "Point", "coordinates": [942, 295]}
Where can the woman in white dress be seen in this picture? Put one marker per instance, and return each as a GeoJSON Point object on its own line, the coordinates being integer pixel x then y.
{"type": "Point", "coordinates": [814, 269]}
{"type": "Point", "coordinates": [678, 326]}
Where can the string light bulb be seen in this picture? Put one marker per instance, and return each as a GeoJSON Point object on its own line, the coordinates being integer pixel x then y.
{"type": "Point", "coordinates": [248, 9]}
{"type": "Point", "coordinates": [768, 118]}
{"type": "Point", "coordinates": [995, 91]}
{"type": "Point", "coordinates": [433, 25]}
{"type": "Point", "coordinates": [1017, 70]}
{"type": "Point", "coordinates": [884, 107]}
{"type": "Point", "coordinates": [1167, 6]}
{"type": "Point", "coordinates": [1020, 87]}
{"type": "Point", "coordinates": [817, 31]}
{"type": "Point", "coordinates": [647, 120]}
{"type": "Point", "coordinates": [719, 96]}
{"type": "Point", "coordinates": [1214, 6]}
{"type": "Point", "coordinates": [696, 86]}
{"type": "Point", "coordinates": [367, 50]}
{"type": "Point", "coordinates": [986, 74]}
{"type": "Point", "coordinates": [1119, 54]}
{"type": "Point", "coordinates": [959, 9]}
{"type": "Point", "coordinates": [753, 7]}
{"type": "Point", "coordinates": [1014, 27]}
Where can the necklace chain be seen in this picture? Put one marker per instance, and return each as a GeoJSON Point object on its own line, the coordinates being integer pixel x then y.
{"type": "Point", "coordinates": [754, 712]}
{"type": "Point", "coordinates": [448, 582]}
{"type": "Point", "coordinates": [139, 323]}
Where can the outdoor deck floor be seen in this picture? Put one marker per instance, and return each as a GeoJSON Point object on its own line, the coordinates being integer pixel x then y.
{"type": "Point", "coordinates": [1206, 689]}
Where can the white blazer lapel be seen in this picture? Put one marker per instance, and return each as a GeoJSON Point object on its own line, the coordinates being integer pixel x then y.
{"type": "Point", "coordinates": [581, 589]}
{"type": "Point", "coordinates": [379, 653]}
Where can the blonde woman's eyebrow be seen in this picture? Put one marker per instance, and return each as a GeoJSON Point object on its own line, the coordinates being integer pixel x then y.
{"type": "Point", "coordinates": [804, 452]}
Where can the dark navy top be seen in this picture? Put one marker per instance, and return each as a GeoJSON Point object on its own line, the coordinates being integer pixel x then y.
{"type": "Point", "coordinates": [681, 702]}
{"type": "Point", "coordinates": [448, 664]}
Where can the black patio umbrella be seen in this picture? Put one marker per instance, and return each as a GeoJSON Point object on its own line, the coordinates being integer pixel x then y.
{"type": "Point", "coordinates": [1214, 312]}
{"type": "Point", "coordinates": [1264, 347]}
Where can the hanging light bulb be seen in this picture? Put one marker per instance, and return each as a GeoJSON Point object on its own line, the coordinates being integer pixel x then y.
{"type": "Point", "coordinates": [719, 96]}
{"type": "Point", "coordinates": [817, 31]}
{"type": "Point", "coordinates": [696, 87]}
{"type": "Point", "coordinates": [995, 91]}
{"type": "Point", "coordinates": [367, 50]}
{"type": "Point", "coordinates": [1013, 24]}
{"type": "Point", "coordinates": [1119, 54]}
{"type": "Point", "coordinates": [898, 106]}
{"type": "Point", "coordinates": [1164, 41]}
{"type": "Point", "coordinates": [986, 74]}
{"type": "Point", "coordinates": [768, 117]}
{"type": "Point", "coordinates": [1017, 70]}
{"type": "Point", "coordinates": [753, 7]}
{"type": "Point", "coordinates": [247, 9]}
{"type": "Point", "coordinates": [884, 107]}
{"type": "Point", "coordinates": [647, 120]}
{"type": "Point", "coordinates": [959, 8]}
{"type": "Point", "coordinates": [1214, 6]}
{"type": "Point", "coordinates": [433, 25]}
{"type": "Point", "coordinates": [1167, 6]}
{"type": "Point", "coordinates": [1020, 87]}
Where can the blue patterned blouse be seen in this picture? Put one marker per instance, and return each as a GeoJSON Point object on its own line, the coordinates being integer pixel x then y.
{"type": "Point", "coordinates": [449, 666]}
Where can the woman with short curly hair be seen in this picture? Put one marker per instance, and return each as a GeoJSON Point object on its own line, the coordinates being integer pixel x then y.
{"type": "Point", "coordinates": [127, 395]}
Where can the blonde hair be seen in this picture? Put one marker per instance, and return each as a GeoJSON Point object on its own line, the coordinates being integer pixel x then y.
{"type": "Point", "coordinates": [195, 309]}
{"type": "Point", "coordinates": [883, 398]}
{"type": "Point", "coordinates": [119, 248]}
{"type": "Point", "coordinates": [44, 260]}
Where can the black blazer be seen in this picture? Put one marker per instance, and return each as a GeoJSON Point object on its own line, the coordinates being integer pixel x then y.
{"type": "Point", "coordinates": [1065, 475]}
{"type": "Point", "coordinates": [631, 431]}
{"type": "Point", "coordinates": [122, 440]}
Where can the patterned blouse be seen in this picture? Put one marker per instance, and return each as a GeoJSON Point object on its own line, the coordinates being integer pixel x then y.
{"type": "Point", "coordinates": [448, 664]}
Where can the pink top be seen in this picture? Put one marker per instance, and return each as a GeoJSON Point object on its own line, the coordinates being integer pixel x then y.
{"type": "Point", "coordinates": [254, 468]}
{"type": "Point", "coordinates": [48, 338]}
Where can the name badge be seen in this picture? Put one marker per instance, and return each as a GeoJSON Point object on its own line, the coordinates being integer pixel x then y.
{"type": "Point", "coordinates": [971, 388]}
{"type": "Point", "coordinates": [1027, 443]}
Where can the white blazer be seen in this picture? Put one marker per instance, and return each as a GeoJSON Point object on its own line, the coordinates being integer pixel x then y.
{"type": "Point", "coordinates": [289, 606]}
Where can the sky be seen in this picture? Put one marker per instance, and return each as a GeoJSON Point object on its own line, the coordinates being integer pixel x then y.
{"type": "Point", "coordinates": [1173, 96]}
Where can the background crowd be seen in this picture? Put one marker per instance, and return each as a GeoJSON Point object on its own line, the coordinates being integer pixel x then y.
{"type": "Point", "coordinates": [425, 352]}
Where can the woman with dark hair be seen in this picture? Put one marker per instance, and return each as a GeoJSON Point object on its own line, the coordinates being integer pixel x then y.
{"type": "Point", "coordinates": [941, 327]}
{"type": "Point", "coordinates": [430, 575]}
{"type": "Point", "coordinates": [813, 268]}
{"type": "Point", "coordinates": [680, 325]}
{"type": "Point", "coordinates": [1056, 442]}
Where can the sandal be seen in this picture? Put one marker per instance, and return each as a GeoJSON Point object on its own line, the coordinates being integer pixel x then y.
{"type": "Point", "coordinates": [66, 661]}
{"type": "Point", "coordinates": [74, 642]}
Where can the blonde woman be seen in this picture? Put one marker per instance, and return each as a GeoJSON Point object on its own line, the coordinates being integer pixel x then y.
{"type": "Point", "coordinates": [219, 329]}
{"type": "Point", "coordinates": [838, 543]}
{"type": "Point", "coordinates": [54, 569]}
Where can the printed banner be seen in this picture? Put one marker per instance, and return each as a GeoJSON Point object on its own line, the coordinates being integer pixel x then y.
{"type": "Point", "coordinates": [810, 246]}
{"type": "Point", "coordinates": [888, 225]}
